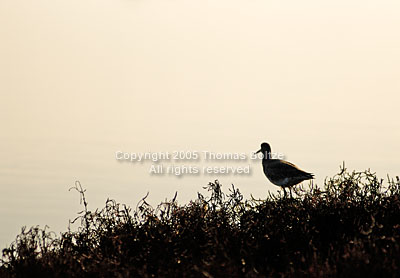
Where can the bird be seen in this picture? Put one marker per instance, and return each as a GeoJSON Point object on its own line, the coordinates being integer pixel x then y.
{"type": "Point", "coordinates": [280, 172]}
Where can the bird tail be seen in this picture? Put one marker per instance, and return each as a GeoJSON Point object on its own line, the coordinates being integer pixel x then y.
{"type": "Point", "coordinates": [309, 176]}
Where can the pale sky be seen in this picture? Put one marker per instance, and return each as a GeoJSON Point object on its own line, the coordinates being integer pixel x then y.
{"type": "Point", "coordinates": [80, 80]}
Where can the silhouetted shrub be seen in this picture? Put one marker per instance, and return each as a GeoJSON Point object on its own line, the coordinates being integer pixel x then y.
{"type": "Point", "coordinates": [350, 228]}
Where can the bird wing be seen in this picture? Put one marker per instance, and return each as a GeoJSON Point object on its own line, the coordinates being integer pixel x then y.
{"type": "Point", "coordinates": [280, 169]}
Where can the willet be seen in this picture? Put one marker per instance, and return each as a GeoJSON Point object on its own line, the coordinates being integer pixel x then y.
{"type": "Point", "coordinates": [280, 172]}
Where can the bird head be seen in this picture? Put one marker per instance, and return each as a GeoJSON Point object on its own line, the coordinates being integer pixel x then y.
{"type": "Point", "coordinates": [265, 149]}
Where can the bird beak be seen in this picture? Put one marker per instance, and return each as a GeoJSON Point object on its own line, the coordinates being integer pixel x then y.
{"type": "Point", "coordinates": [258, 151]}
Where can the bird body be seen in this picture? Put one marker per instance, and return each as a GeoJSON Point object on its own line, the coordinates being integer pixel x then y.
{"type": "Point", "coordinates": [280, 172]}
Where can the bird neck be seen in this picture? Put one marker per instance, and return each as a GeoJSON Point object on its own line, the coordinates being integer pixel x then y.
{"type": "Point", "coordinates": [267, 155]}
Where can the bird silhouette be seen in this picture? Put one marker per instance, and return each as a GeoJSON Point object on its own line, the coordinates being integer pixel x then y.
{"type": "Point", "coordinates": [280, 172]}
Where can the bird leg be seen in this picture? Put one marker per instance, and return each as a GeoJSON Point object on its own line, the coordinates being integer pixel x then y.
{"type": "Point", "coordinates": [290, 190]}
{"type": "Point", "coordinates": [284, 192]}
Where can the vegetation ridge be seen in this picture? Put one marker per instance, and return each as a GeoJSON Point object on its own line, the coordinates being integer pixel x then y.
{"type": "Point", "coordinates": [348, 228]}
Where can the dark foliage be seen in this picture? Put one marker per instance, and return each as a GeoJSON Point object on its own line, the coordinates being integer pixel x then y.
{"type": "Point", "coordinates": [350, 228]}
